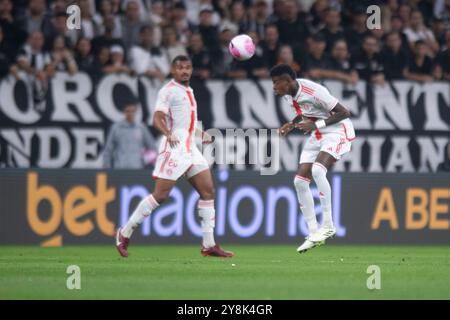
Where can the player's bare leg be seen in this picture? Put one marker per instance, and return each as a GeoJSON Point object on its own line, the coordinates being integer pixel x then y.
{"type": "Point", "coordinates": [306, 201]}
{"type": "Point", "coordinates": [324, 162]}
{"type": "Point", "coordinates": [203, 183]}
{"type": "Point", "coordinates": [143, 210]}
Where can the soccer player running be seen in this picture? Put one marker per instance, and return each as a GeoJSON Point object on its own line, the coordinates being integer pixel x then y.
{"type": "Point", "coordinates": [321, 115]}
{"type": "Point", "coordinates": [176, 118]}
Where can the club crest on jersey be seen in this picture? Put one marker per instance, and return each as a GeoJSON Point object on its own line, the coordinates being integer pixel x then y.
{"type": "Point", "coordinates": [306, 106]}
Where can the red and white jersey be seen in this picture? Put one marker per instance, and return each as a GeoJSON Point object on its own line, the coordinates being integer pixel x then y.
{"type": "Point", "coordinates": [312, 100]}
{"type": "Point", "coordinates": [178, 103]}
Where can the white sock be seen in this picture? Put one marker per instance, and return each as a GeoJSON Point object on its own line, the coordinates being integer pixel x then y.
{"type": "Point", "coordinates": [208, 215]}
{"type": "Point", "coordinates": [306, 202]}
{"type": "Point", "coordinates": [319, 173]}
{"type": "Point", "coordinates": [143, 210]}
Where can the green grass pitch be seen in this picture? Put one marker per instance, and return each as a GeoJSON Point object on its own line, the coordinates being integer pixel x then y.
{"type": "Point", "coordinates": [256, 272]}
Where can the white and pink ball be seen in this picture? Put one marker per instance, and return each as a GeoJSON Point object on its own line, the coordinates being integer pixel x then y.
{"type": "Point", "coordinates": [242, 47]}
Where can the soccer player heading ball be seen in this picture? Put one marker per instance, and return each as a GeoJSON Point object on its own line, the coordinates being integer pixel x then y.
{"type": "Point", "coordinates": [320, 115]}
{"type": "Point", "coordinates": [176, 118]}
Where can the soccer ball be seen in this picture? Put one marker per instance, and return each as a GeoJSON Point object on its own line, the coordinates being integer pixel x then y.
{"type": "Point", "coordinates": [242, 47]}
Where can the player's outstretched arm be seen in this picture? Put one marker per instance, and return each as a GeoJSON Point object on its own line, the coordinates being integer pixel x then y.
{"type": "Point", "coordinates": [160, 123]}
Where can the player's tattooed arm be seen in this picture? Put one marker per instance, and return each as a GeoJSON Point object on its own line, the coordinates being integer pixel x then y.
{"type": "Point", "coordinates": [160, 123]}
{"type": "Point", "coordinates": [339, 113]}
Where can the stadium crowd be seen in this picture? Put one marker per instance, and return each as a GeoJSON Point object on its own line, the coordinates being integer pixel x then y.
{"type": "Point", "coordinates": [318, 38]}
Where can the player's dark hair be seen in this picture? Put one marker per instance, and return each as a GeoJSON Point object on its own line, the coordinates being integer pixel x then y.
{"type": "Point", "coordinates": [180, 58]}
{"type": "Point", "coordinates": [282, 69]}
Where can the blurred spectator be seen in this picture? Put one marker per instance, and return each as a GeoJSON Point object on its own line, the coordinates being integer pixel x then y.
{"type": "Point", "coordinates": [441, 10]}
{"type": "Point", "coordinates": [291, 25]}
{"type": "Point", "coordinates": [131, 24]}
{"type": "Point", "coordinates": [367, 61]}
{"type": "Point", "coordinates": [224, 66]}
{"type": "Point", "coordinates": [270, 22]}
{"type": "Point", "coordinates": [318, 12]}
{"type": "Point", "coordinates": [418, 31]}
{"type": "Point", "coordinates": [425, 7]}
{"type": "Point", "coordinates": [6, 55]}
{"type": "Point", "coordinates": [101, 60]}
{"type": "Point", "coordinates": [378, 33]}
{"type": "Point", "coordinates": [200, 57]}
{"type": "Point", "coordinates": [59, 28]}
{"type": "Point", "coordinates": [277, 8]}
{"type": "Point", "coordinates": [12, 29]}
{"type": "Point", "coordinates": [316, 62]}
{"type": "Point", "coordinates": [420, 67]}
{"type": "Point", "coordinates": [83, 55]}
{"type": "Point", "coordinates": [143, 7]}
{"type": "Point", "coordinates": [57, 7]}
{"type": "Point", "coordinates": [117, 62]}
{"type": "Point", "coordinates": [145, 59]}
{"type": "Point", "coordinates": [115, 6]}
{"type": "Point", "coordinates": [61, 59]}
{"type": "Point", "coordinates": [171, 47]}
{"type": "Point", "coordinates": [286, 56]}
{"type": "Point", "coordinates": [270, 45]}
{"type": "Point", "coordinates": [443, 60]}
{"type": "Point", "coordinates": [206, 28]}
{"type": "Point", "coordinates": [357, 32]}
{"type": "Point", "coordinates": [36, 18]}
{"type": "Point", "coordinates": [404, 11]}
{"type": "Point", "coordinates": [128, 142]}
{"type": "Point", "coordinates": [394, 57]}
{"type": "Point", "coordinates": [340, 67]}
{"type": "Point", "coordinates": [397, 26]}
{"type": "Point", "coordinates": [256, 66]}
{"type": "Point", "coordinates": [33, 61]}
{"type": "Point", "coordinates": [332, 30]}
{"type": "Point", "coordinates": [90, 28]}
{"type": "Point", "coordinates": [438, 28]}
{"type": "Point", "coordinates": [108, 38]}
{"type": "Point", "coordinates": [194, 7]}
{"type": "Point", "coordinates": [388, 10]}
{"type": "Point", "coordinates": [180, 22]}
{"type": "Point", "coordinates": [106, 9]}
{"type": "Point", "coordinates": [223, 8]}
{"type": "Point", "coordinates": [238, 21]}
{"type": "Point", "coordinates": [157, 21]}
{"type": "Point", "coordinates": [259, 13]}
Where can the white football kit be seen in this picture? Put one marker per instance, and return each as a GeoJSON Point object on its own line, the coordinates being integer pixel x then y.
{"type": "Point", "coordinates": [178, 103]}
{"type": "Point", "coordinates": [315, 102]}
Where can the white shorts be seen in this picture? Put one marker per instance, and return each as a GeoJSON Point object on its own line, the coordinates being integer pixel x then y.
{"type": "Point", "coordinates": [335, 140]}
{"type": "Point", "coordinates": [173, 163]}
